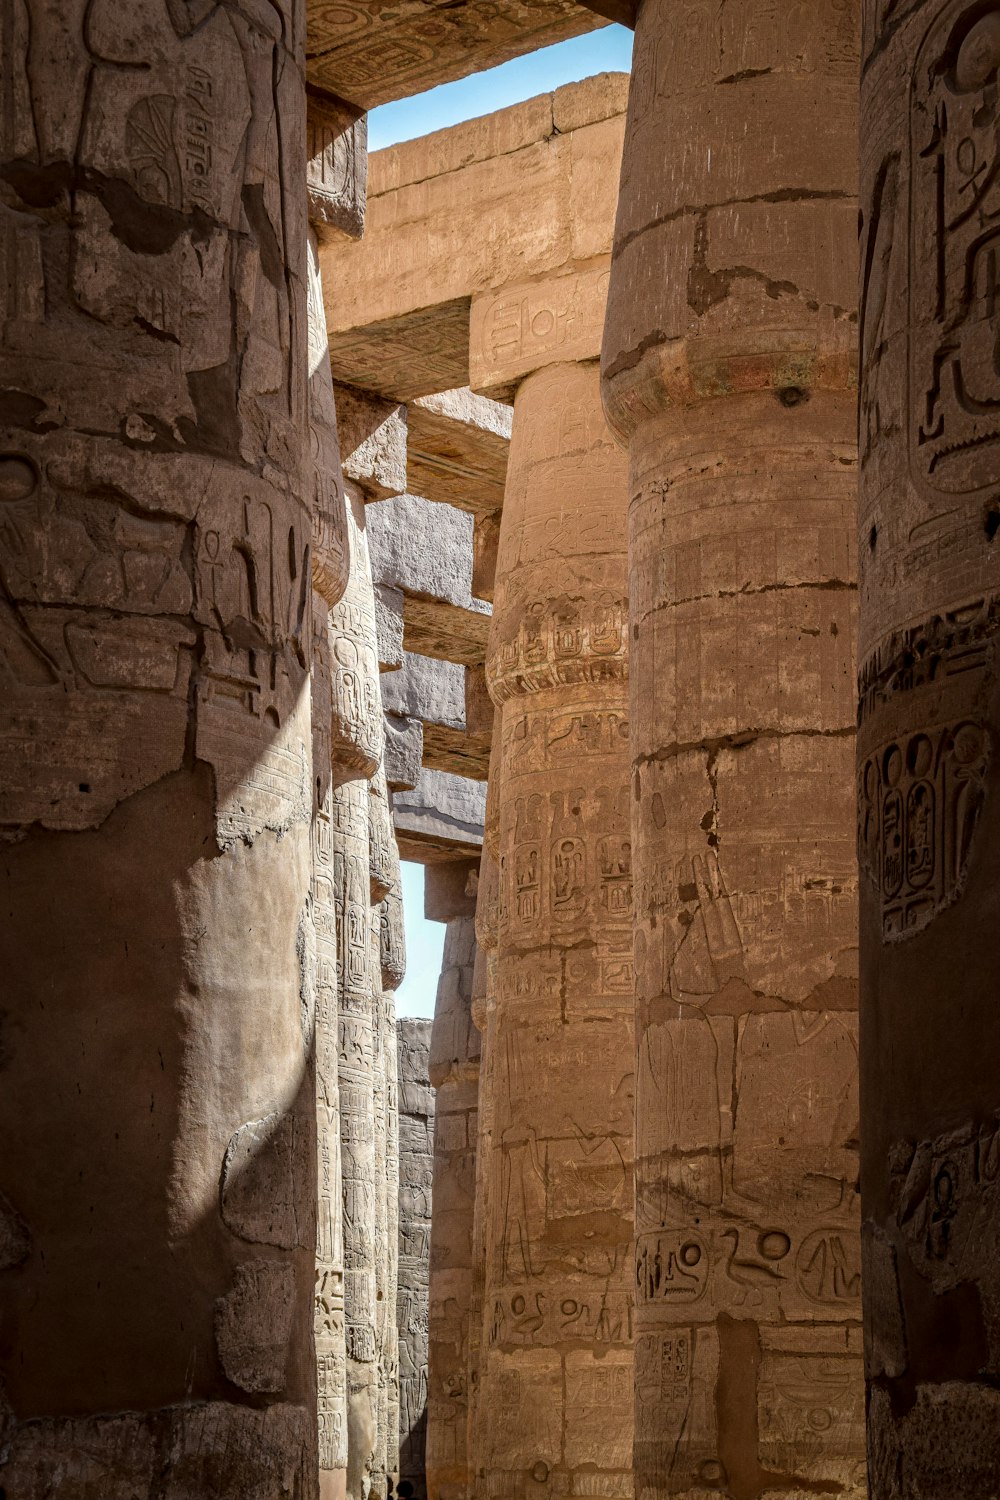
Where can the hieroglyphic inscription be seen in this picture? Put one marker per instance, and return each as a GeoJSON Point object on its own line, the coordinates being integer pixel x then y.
{"type": "Point", "coordinates": [954, 253]}
{"type": "Point", "coordinates": [918, 805]}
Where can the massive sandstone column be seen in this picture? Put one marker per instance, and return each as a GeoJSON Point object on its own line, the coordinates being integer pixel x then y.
{"type": "Point", "coordinates": [727, 370]}
{"type": "Point", "coordinates": [927, 764]}
{"type": "Point", "coordinates": [357, 740]}
{"type": "Point", "coordinates": [389, 957]}
{"type": "Point", "coordinates": [330, 575]}
{"type": "Point", "coordinates": [483, 1011]}
{"type": "Point", "coordinates": [155, 762]}
{"type": "Point", "coordinates": [556, 1361]}
{"type": "Point", "coordinates": [454, 1073]}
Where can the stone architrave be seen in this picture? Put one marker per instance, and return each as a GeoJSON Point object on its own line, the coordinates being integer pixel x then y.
{"type": "Point", "coordinates": [156, 1112]}
{"type": "Point", "coordinates": [556, 1364]}
{"type": "Point", "coordinates": [416, 1165]}
{"type": "Point", "coordinates": [727, 370]}
{"type": "Point", "coordinates": [454, 1073]}
{"type": "Point", "coordinates": [330, 573]}
{"type": "Point", "coordinates": [928, 717]}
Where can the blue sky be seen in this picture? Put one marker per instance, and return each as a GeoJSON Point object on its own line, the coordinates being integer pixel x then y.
{"type": "Point", "coordinates": [606, 51]}
{"type": "Point", "coordinates": [424, 945]}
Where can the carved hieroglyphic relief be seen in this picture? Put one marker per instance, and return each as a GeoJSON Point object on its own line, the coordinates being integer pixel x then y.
{"type": "Point", "coordinates": [330, 577]}
{"type": "Point", "coordinates": [358, 734]}
{"type": "Point", "coordinates": [454, 1072]}
{"type": "Point", "coordinates": [928, 521]}
{"type": "Point", "coordinates": [728, 377]}
{"type": "Point", "coordinates": [357, 1059]}
{"type": "Point", "coordinates": [416, 1158]}
{"type": "Point", "coordinates": [556, 1178]}
{"type": "Point", "coordinates": [155, 742]}
{"type": "Point", "coordinates": [388, 969]}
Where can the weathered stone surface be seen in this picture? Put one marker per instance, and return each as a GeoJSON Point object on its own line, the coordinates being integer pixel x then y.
{"type": "Point", "coordinates": [337, 171]}
{"type": "Point", "coordinates": [423, 548]}
{"type": "Point", "coordinates": [155, 735]}
{"type": "Point", "coordinates": [425, 551]}
{"type": "Point", "coordinates": [434, 691]}
{"type": "Point", "coordinates": [372, 53]}
{"type": "Point", "coordinates": [481, 208]}
{"type": "Point", "coordinates": [727, 370]}
{"type": "Point", "coordinates": [538, 322]}
{"type": "Point", "coordinates": [404, 748]}
{"type": "Point", "coordinates": [389, 604]}
{"type": "Point", "coordinates": [450, 890]}
{"type": "Point", "coordinates": [927, 773]}
{"type": "Point", "coordinates": [265, 1183]}
{"type": "Point", "coordinates": [454, 1071]}
{"type": "Point", "coordinates": [173, 1452]}
{"type": "Point", "coordinates": [404, 357]}
{"type": "Point", "coordinates": [253, 1325]}
{"type": "Point", "coordinates": [457, 449]}
{"type": "Point", "coordinates": [331, 577]}
{"type": "Point", "coordinates": [442, 818]}
{"type": "Point", "coordinates": [416, 1155]}
{"type": "Point", "coordinates": [485, 542]}
{"type": "Point", "coordinates": [372, 441]}
{"type": "Point", "coordinates": [356, 1076]}
{"type": "Point", "coordinates": [559, 1174]}
{"type": "Point", "coordinates": [15, 1236]}
{"type": "Point", "coordinates": [357, 736]}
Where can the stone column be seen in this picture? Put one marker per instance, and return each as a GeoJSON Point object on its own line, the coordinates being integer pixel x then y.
{"type": "Point", "coordinates": [416, 1165]}
{"type": "Point", "coordinates": [357, 1126]}
{"type": "Point", "coordinates": [483, 1015]}
{"type": "Point", "coordinates": [379, 1459]}
{"type": "Point", "coordinates": [391, 940]}
{"type": "Point", "coordinates": [357, 740]}
{"type": "Point", "coordinates": [454, 1073]}
{"type": "Point", "coordinates": [155, 759]}
{"type": "Point", "coordinates": [927, 765]}
{"type": "Point", "coordinates": [727, 369]}
{"type": "Point", "coordinates": [330, 574]}
{"type": "Point", "coordinates": [556, 1359]}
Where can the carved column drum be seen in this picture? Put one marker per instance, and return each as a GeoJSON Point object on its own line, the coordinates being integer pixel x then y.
{"type": "Point", "coordinates": [728, 372]}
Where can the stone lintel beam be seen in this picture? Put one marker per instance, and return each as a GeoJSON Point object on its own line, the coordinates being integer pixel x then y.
{"type": "Point", "coordinates": [373, 53]}
{"type": "Point", "coordinates": [336, 166]}
{"type": "Point", "coordinates": [450, 890]}
{"type": "Point", "coordinates": [622, 11]}
{"type": "Point", "coordinates": [527, 193]}
{"type": "Point", "coordinates": [457, 449]}
{"type": "Point", "coordinates": [435, 692]}
{"type": "Point", "coordinates": [441, 819]}
{"type": "Point", "coordinates": [425, 550]}
{"type": "Point", "coordinates": [404, 751]}
{"type": "Point", "coordinates": [389, 604]}
{"type": "Point", "coordinates": [517, 330]}
{"type": "Point", "coordinates": [372, 435]}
